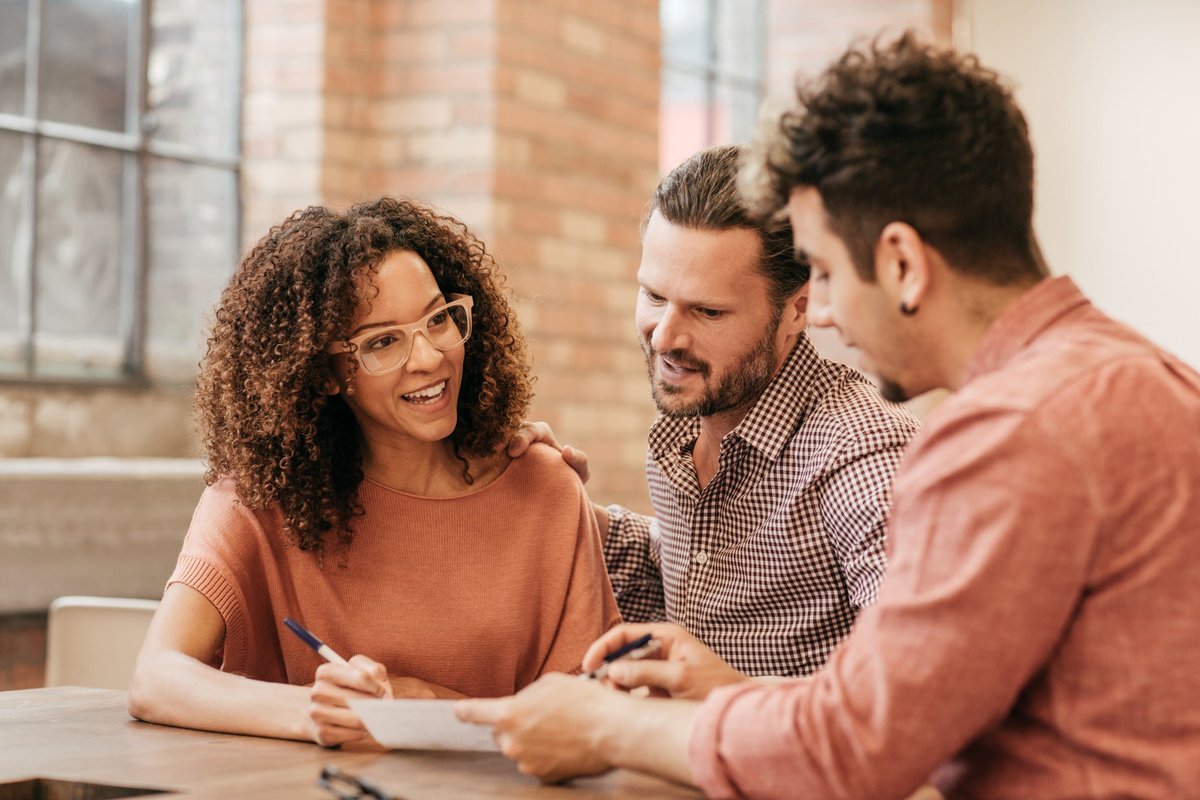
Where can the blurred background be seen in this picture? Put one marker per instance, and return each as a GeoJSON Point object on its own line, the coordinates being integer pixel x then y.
{"type": "Point", "coordinates": [146, 144]}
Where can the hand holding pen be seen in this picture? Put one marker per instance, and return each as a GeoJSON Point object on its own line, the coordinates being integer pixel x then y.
{"type": "Point", "coordinates": [680, 666]}
{"type": "Point", "coordinates": [335, 682]}
{"type": "Point", "coordinates": [389, 686]}
{"type": "Point", "coordinates": [360, 674]}
{"type": "Point", "coordinates": [633, 650]}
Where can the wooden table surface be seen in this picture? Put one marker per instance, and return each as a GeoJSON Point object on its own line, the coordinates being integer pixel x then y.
{"type": "Point", "coordinates": [76, 734]}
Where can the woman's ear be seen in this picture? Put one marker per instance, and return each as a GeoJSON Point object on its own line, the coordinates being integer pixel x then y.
{"type": "Point", "coordinates": [330, 384]}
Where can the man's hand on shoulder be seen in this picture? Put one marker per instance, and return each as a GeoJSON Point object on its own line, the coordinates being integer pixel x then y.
{"type": "Point", "coordinates": [532, 432]}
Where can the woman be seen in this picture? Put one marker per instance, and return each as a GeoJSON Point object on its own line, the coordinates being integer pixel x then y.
{"type": "Point", "coordinates": [362, 372]}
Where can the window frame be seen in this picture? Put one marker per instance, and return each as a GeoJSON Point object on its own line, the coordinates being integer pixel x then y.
{"type": "Point", "coordinates": [710, 73]}
{"type": "Point", "coordinates": [136, 146]}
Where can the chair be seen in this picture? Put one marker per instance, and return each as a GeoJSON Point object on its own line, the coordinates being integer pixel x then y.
{"type": "Point", "coordinates": [94, 641]}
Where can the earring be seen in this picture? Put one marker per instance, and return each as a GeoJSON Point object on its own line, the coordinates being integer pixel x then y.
{"type": "Point", "coordinates": [906, 309]}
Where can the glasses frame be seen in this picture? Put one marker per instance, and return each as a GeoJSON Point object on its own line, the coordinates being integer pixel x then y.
{"type": "Point", "coordinates": [353, 346]}
{"type": "Point", "coordinates": [346, 786]}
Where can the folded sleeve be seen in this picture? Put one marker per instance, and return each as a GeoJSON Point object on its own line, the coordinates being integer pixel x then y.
{"type": "Point", "coordinates": [215, 562]}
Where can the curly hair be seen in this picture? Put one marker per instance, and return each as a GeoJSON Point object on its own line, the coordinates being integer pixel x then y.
{"type": "Point", "coordinates": [265, 420]}
{"type": "Point", "coordinates": [906, 132]}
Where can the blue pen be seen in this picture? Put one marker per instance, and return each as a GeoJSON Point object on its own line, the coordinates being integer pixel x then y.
{"type": "Point", "coordinates": [638, 648]}
{"type": "Point", "coordinates": [323, 650]}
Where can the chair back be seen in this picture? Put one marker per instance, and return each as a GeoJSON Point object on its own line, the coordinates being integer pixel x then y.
{"type": "Point", "coordinates": [94, 641]}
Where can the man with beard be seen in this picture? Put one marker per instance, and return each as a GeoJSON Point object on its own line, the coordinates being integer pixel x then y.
{"type": "Point", "coordinates": [769, 467]}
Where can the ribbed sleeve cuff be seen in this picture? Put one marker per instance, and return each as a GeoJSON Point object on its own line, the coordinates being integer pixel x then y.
{"type": "Point", "coordinates": [209, 581]}
{"type": "Point", "coordinates": [704, 747]}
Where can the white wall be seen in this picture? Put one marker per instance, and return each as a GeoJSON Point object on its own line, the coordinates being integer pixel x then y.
{"type": "Point", "coordinates": [1111, 90]}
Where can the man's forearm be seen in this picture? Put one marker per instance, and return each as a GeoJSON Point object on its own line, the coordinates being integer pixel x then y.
{"type": "Point", "coordinates": [649, 735]}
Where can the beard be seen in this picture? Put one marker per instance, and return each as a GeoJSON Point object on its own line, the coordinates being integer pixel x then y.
{"type": "Point", "coordinates": [741, 386]}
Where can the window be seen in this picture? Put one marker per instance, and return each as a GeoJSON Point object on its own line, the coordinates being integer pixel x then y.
{"type": "Point", "coordinates": [712, 81]}
{"type": "Point", "coordinates": [118, 184]}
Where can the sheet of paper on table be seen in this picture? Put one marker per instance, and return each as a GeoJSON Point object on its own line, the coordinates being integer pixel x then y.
{"type": "Point", "coordinates": [421, 725]}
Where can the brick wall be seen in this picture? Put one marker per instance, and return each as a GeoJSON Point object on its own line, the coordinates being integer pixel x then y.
{"type": "Point", "coordinates": [283, 107]}
{"type": "Point", "coordinates": [577, 89]}
{"type": "Point", "coordinates": [423, 106]}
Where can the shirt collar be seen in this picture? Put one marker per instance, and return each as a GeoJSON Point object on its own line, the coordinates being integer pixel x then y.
{"type": "Point", "coordinates": [771, 420]}
{"type": "Point", "coordinates": [1022, 322]}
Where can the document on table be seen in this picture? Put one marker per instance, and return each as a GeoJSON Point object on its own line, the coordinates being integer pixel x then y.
{"type": "Point", "coordinates": [421, 725]}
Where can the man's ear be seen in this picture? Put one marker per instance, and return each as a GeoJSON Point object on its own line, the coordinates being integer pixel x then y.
{"type": "Point", "coordinates": [794, 317]}
{"type": "Point", "coordinates": [902, 266]}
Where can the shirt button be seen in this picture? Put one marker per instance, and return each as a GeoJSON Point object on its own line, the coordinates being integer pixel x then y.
{"type": "Point", "coordinates": [701, 557]}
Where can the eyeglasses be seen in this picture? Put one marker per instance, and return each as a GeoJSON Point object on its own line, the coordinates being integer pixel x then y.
{"type": "Point", "coordinates": [386, 350]}
{"type": "Point", "coordinates": [345, 786]}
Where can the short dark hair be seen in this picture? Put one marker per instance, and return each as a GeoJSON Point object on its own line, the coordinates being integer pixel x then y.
{"type": "Point", "coordinates": [267, 422]}
{"type": "Point", "coordinates": [702, 193]}
{"type": "Point", "coordinates": [910, 133]}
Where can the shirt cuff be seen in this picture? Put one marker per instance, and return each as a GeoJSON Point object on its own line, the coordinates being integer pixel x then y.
{"type": "Point", "coordinates": [704, 747]}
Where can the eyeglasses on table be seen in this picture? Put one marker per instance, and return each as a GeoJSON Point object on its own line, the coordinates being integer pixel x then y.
{"type": "Point", "coordinates": [346, 786]}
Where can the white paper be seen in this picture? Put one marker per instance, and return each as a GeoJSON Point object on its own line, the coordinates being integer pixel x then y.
{"type": "Point", "coordinates": [421, 725]}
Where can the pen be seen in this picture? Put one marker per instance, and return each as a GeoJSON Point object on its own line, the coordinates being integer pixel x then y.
{"type": "Point", "coordinates": [323, 650]}
{"type": "Point", "coordinates": [638, 648]}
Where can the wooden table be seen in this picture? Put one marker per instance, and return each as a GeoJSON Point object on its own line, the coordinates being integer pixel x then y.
{"type": "Point", "coordinates": [75, 734]}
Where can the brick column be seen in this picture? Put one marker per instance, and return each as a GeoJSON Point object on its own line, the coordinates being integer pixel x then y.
{"type": "Point", "coordinates": [283, 135]}
{"type": "Point", "coordinates": [577, 87]}
{"type": "Point", "coordinates": [428, 124]}
{"type": "Point", "coordinates": [349, 99]}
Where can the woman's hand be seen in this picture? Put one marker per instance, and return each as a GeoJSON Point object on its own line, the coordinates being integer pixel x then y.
{"type": "Point", "coordinates": [331, 720]}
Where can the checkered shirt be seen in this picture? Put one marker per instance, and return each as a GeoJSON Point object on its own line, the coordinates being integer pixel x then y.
{"type": "Point", "coordinates": [769, 564]}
